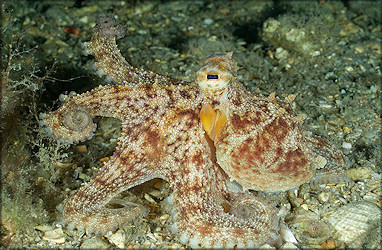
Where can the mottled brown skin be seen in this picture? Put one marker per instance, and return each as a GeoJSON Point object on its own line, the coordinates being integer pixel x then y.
{"type": "Point", "coordinates": [255, 140]}
{"type": "Point", "coordinates": [262, 145]}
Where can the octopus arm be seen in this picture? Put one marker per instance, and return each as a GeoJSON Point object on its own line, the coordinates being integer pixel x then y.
{"type": "Point", "coordinates": [131, 165]}
{"type": "Point", "coordinates": [110, 61]}
{"type": "Point", "coordinates": [73, 121]}
{"type": "Point", "coordinates": [206, 210]}
{"type": "Point", "coordinates": [203, 217]}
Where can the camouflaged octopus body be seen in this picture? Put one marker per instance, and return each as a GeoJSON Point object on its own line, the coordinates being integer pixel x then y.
{"type": "Point", "coordinates": [197, 136]}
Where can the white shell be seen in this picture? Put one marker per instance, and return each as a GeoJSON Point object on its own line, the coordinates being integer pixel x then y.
{"type": "Point", "coordinates": [354, 219]}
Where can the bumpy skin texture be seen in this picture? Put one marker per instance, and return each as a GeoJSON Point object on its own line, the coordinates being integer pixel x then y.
{"type": "Point", "coordinates": [199, 137]}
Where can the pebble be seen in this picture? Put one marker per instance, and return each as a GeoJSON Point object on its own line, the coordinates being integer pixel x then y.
{"type": "Point", "coordinates": [305, 206]}
{"type": "Point", "coordinates": [346, 145]}
{"type": "Point", "coordinates": [281, 53]}
{"type": "Point", "coordinates": [271, 25]}
{"type": "Point", "coordinates": [208, 21]}
{"type": "Point", "coordinates": [117, 239]}
{"type": "Point", "coordinates": [361, 173]}
{"type": "Point", "coordinates": [149, 199]}
{"type": "Point", "coordinates": [56, 236]}
{"type": "Point", "coordinates": [44, 228]}
{"type": "Point", "coordinates": [330, 244]}
{"type": "Point", "coordinates": [324, 196]}
{"type": "Point", "coordinates": [286, 234]}
{"type": "Point", "coordinates": [308, 227]}
{"type": "Point", "coordinates": [94, 243]}
{"type": "Point", "coordinates": [373, 88]}
{"type": "Point", "coordinates": [349, 68]}
{"type": "Point", "coordinates": [316, 53]}
{"type": "Point", "coordinates": [82, 149]}
{"type": "Point", "coordinates": [289, 245]}
{"type": "Point", "coordinates": [266, 246]}
{"type": "Point", "coordinates": [295, 35]}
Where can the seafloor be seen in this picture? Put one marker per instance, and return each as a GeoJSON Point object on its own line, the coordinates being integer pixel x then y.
{"type": "Point", "coordinates": [327, 53]}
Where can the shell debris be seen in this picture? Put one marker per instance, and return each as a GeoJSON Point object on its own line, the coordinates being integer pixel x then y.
{"type": "Point", "coordinates": [354, 219]}
{"type": "Point", "coordinates": [118, 238]}
{"type": "Point", "coordinates": [56, 235]}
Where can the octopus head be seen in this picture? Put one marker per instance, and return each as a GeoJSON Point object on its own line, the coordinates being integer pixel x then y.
{"type": "Point", "coordinates": [214, 79]}
{"type": "Point", "coordinates": [259, 141]}
{"type": "Point", "coordinates": [216, 74]}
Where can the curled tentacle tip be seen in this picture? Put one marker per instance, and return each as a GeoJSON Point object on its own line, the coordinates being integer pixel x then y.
{"type": "Point", "coordinates": [77, 120]}
{"type": "Point", "coordinates": [69, 125]}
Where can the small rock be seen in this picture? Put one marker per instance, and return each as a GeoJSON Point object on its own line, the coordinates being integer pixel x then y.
{"type": "Point", "coordinates": [346, 129]}
{"type": "Point", "coordinates": [117, 239]}
{"type": "Point", "coordinates": [374, 89]}
{"type": "Point", "coordinates": [43, 228]}
{"type": "Point", "coordinates": [208, 21]}
{"type": "Point", "coordinates": [330, 244]}
{"type": "Point", "coordinates": [316, 53]}
{"type": "Point", "coordinates": [324, 197]}
{"type": "Point", "coordinates": [286, 234]}
{"type": "Point", "coordinates": [94, 244]}
{"type": "Point", "coordinates": [271, 25]}
{"type": "Point", "coordinates": [349, 68]}
{"type": "Point", "coordinates": [56, 236]}
{"type": "Point", "coordinates": [266, 246]}
{"type": "Point", "coordinates": [289, 245]}
{"type": "Point", "coordinates": [360, 173]}
{"type": "Point", "coordinates": [149, 199]}
{"type": "Point", "coordinates": [82, 149]}
{"type": "Point", "coordinates": [305, 206]}
{"type": "Point", "coordinates": [308, 227]}
{"type": "Point", "coordinates": [281, 53]}
{"type": "Point", "coordinates": [346, 145]}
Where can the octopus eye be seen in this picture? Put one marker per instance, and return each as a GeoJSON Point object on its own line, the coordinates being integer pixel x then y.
{"type": "Point", "coordinates": [77, 120]}
{"type": "Point", "coordinates": [212, 77]}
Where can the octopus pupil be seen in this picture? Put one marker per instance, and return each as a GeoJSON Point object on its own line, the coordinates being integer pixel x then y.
{"type": "Point", "coordinates": [212, 76]}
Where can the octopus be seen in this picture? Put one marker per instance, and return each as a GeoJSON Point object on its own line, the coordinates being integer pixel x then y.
{"type": "Point", "coordinates": [211, 140]}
